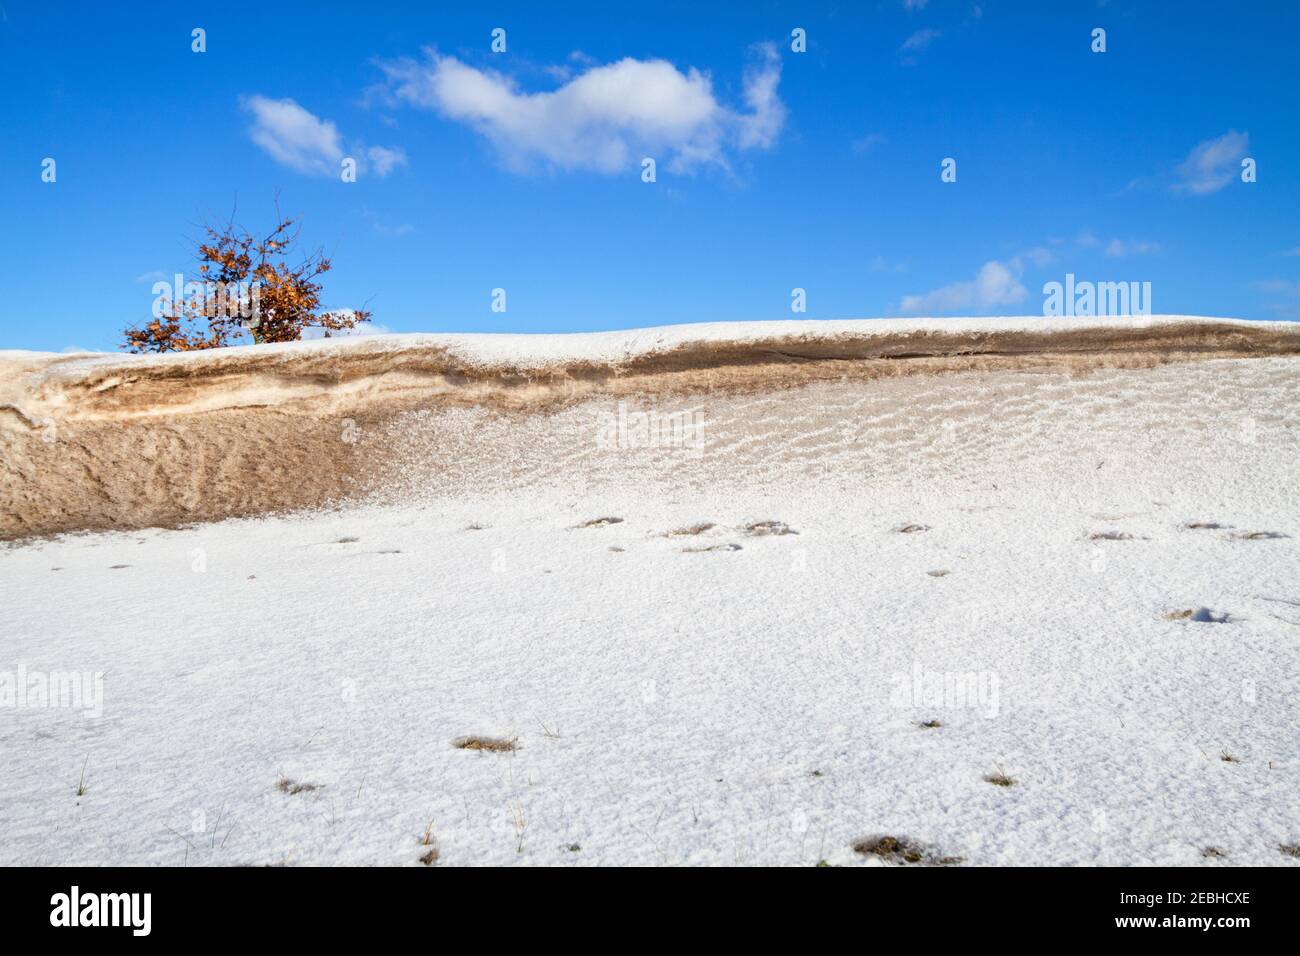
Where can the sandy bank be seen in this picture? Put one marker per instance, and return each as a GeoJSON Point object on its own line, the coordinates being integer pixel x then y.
{"type": "Point", "coordinates": [112, 441]}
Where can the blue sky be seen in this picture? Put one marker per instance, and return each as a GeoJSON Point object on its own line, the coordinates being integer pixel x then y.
{"type": "Point", "coordinates": [775, 169]}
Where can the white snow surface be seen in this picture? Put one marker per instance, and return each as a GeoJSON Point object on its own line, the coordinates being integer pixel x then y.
{"type": "Point", "coordinates": [673, 707]}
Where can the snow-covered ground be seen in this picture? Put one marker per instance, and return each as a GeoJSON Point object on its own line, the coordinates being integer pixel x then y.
{"type": "Point", "coordinates": [1092, 583]}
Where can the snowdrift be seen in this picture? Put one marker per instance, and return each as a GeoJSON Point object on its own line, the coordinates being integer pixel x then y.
{"type": "Point", "coordinates": [97, 441]}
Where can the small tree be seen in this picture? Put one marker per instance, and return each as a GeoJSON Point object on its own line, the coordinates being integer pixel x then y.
{"type": "Point", "coordinates": [256, 290]}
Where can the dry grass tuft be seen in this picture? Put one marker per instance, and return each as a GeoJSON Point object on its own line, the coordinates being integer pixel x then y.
{"type": "Point", "coordinates": [940, 573]}
{"type": "Point", "coordinates": [999, 779]}
{"type": "Point", "coordinates": [902, 851]}
{"type": "Point", "coordinates": [1256, 535]}
{"type": "Point", "coordinates": [1179, 615]}
{"type": "Point", "coordinates": [431, 842]}
{"type": "Point", "coordinates": [1213, 852]}
{"type": "Point", "coordinates": [292, 787]}
{"type": "Point", "coordinates": [1110, 536]}
{"type": "Point", "coordinates": [893, 849]}
{"type": "Point", "coordinates": [600, 522]}
{"type": "Point", "coordinates": [690, 530]}
{"type": "Point", "coordinates": [1290, 849]}
{"type": "Point", "coordinates": [491, 744]}
{"type": "Point", "coordinates": [911, 528]}
{"type": "Point", "coordinates": [759, 529]}
{"type": "Point", "coordinates": [1228, 757]}
{"type": "Point", "coordinates": [704, 549]}
{"type": "Point", "coordinates": [931, 723]}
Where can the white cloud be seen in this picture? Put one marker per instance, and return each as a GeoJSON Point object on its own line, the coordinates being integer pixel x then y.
{"type": "Point", "coordinates": [762, 124]}
{"type": "Point", "coordinates": [563, 72]}
{"type": "Point", "coordinates": [385, 160]}
{"type": "Point", "coordinates": [294, 137]}
{"type": "Point", "coordinates": [297, 138]}
{"type": "Point", "coordinates": [1213, 164]}
{"type": "Point", "coordinates": [919, 40]}
{"type": "Point", "coordinates": [361, 328]}
{"type": "Point", "coordinates": [606, 118]}
{"type": "Point", "coordinates": [996, 284]}
{"type": "Point", "coordinates": [914, 44]}
{"type": "Point", "coordinates": [915, 4]}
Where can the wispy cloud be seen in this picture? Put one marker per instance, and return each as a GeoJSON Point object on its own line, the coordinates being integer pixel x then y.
{"type": "Point", "coordinates": [996, 284]}
{"type": "Point", "coordinates": [401, 229]}
{"type": "Point", "coordinates": [762, 124]}
{"type": "Point", "coordinates": [384, 160]}
{"type": "Point", "coordinates": [605, 118]}
{"type": "Point", "coordinates": [1283, 296]}
{"type": "Point", "coordinates": [920, 40]}
{"type": "Point", "coordinates": [1277, 286]}
{"type": "Point", "coordinates": [1038, 256]}
{"type": "Point", "coordinates": [1121, 248]}
{"type": "Point", "coordinates": [1212, 164]}
{"type": "Point", "coordinates": [881, 264]}
{"type": "Point", "coordinates": [298, 139]}
{"type": "Point", "coordinates": [385, 228]}
{"type": "Point", "coordinates": [563, 72]}
{"type": "Point", "coordinates": [866, 144]}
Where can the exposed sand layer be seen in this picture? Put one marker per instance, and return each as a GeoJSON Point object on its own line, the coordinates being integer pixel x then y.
{"type": "Point", "coordinates": [124, 442]}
